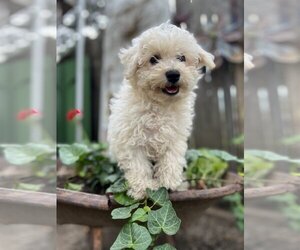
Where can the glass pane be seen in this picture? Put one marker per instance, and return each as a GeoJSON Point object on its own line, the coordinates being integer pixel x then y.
{"type": "Point", "coordinates": [28, 124]}
{"type": "Point", "coordinates": [272, 124]}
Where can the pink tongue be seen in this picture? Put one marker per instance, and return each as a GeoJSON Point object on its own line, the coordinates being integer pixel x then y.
{"type": "Point", "coordinates": [172, 89]}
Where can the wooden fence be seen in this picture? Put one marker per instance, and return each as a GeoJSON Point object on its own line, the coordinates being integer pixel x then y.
{"type": "Point", "coordinates": [219, 106]}
{"type": "Point", "coordinates": [219, 109]}
{"type": "Point", "coordinates": [272, 111]}
{"type": "Point", "coordinates": [272, 88]}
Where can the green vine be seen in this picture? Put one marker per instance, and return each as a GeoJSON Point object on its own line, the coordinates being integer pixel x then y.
{"type": "Point", "coordinates": [146, 219]}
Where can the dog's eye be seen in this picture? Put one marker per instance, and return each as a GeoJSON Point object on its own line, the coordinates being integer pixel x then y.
{"type": "Point", "coordinates": [154, 59]}
{"type": "Point", "coordinates": [181, 58]}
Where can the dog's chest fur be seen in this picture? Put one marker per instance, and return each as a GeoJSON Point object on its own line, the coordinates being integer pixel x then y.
{"type": "Point", "coordinates": [151, 128]}
{"type": "Point", "coordinates": [156, 128]}
{"type": "Point", "coordinates": [155, 131]}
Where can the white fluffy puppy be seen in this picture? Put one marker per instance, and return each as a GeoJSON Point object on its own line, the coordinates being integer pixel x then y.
{"type": "Point", "coordinates": [151, 116]}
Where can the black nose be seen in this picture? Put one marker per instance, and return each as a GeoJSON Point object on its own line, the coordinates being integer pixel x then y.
{"type": "Point", "coordinates": [173, 76]}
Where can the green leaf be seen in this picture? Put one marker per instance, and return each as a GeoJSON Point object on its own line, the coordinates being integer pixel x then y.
{"type": "Point", "coordinates": [29, 186]}
{"type": "Point", "coordinates": [124, 199]}
{"type": "Point", "coordinates": [106, 178]}
{"type": "Point", "coordinates": [192, 155]}
{"type": "Point", "coordinates": [99, 146]}
{"type": "Point", "coordinates": [24, 154]}
{"type": "Point", "coordinates": [74, 186]}
{"type": "Point", "coordinates": [132, 236]}
{"type": "Point", "coordinates": [270, 156]}
{"type": "Point", "coordinates": [224, 155]}
{"type": "Point", "coordinates": [238, 140]}
{"type": "Point", "coordinates": [240, 225]}
{"type": "Point", "coordinates": [295, 174]}
{"type": "Point", "coordinates": [291, 140]}
{"type": "Point", "coordinates": [139, 215]}
{"type": "Point", "coordinates": [164, 219]}
{"type": "Point", "coordinates": [123, 212]}
{"type": "Point", "coordinates": [69, 154]}
{"type": "Point", "coordinates": [164, 247]}
{"type": "Point", "coordinates": [234, 198]}
{"type": "Point", "coordinates": [147, 209]}
{"type": "Point", "coordinates": [118, 187]}
{"type": "Point", "coordinates": [159, 196]}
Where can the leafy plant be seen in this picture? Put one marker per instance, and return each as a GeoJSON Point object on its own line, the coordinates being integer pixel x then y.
{"type": "Point", "coordinates": [290, 207]}
{"type": "Point", "coordinates": [132, 236]}
{"type": "Point", "coordinates": [28, 153]}
{"type": "Point", "coordinates": [291, 140]}
{"type": "Point", "coordinates": [238, 140]}
{"type": "Point", "coordinates": [237, 207]}
{"type": "Point", "coordinates": [256, 168]}
{"type": "Point", "coordinates": [146, 219]}
{"type": "Point", "coordinates": [38, 158]}
{"type": "Point", "coordinates": [97, 172]}
{"type": "Point", "coordinates": [206, 167]}
{"type": "Point", "coordinates": [74, 186]}
{"type": "Point", "coordinates": [259, 163]}
{"type": "Point", "coordinates": [270, 156]}
{"type": "Point", "coordinates": [93, 168]}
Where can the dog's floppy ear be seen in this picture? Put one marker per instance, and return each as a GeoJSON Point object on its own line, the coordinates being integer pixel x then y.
{"type": "Point", "coordinates": [205, 59]}
{"type": "Point", "coordinates": [129, 58]}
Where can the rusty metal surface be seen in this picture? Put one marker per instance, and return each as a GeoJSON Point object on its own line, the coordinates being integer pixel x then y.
{"type": "Point", "coordinates": [82, 215]}
{"type": "Point", "coordinates": [94, 210]}
{"type": "Point", "coordinates": [277, 183]}
{"type": "Point", "coordinates": [70, 207]}
{"type": "Point", "coordinates": [269, 190]}
{"type": "Point", "coordinates": [206, 194]}
{"type": "Point", "coordinates": [86, 200]}
{"type": "Point", "coordinates": [16, 196]}
{"type": "Point", "coordinates": [103, 202]}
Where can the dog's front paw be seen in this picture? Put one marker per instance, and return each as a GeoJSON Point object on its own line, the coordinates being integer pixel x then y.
{"type": "Point", "coordinates": [140, 193]}
{"type": "Point", "coordinates": [136, 194]}
{"type": "Point", "coordinates": [169, 182]}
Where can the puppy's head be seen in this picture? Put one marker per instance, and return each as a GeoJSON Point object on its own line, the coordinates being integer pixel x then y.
{"type": "Point", "coordinates": [165, 62]}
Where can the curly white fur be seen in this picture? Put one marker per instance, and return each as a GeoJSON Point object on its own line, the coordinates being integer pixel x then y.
{"type": "Point", "coordinates": [148, 129]}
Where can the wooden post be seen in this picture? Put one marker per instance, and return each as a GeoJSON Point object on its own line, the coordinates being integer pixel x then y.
{"type": "Point", "coordinates": [96, 233]}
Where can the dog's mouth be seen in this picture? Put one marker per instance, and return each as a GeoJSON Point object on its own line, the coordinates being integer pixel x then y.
{"type": "Point", "coordinates": [171, 90]}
